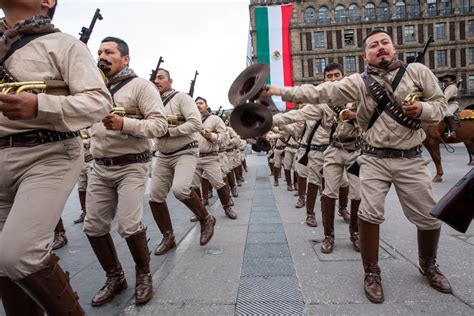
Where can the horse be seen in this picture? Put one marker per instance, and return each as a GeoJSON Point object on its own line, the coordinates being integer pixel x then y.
{"type": "Point", "coordinates": [464, 134]}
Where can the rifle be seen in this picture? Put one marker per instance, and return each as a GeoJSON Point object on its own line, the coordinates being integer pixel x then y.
{"type": "Point", "coordinates": [86, 32]}
{"type": "Point", "coordinates": [193, 83]}
{"type": "Point", "coordinates": [421, 56]}
{"type": "Point", "coordinates": [155, 71]}
{"type": "Point", "coordinates": [218, 110]}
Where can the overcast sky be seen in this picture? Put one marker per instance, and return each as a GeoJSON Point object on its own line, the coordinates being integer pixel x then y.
{"type": "Point", "coordinates": [208, 36]}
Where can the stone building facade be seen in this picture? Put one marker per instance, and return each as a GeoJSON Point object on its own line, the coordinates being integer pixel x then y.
{"type": "Point", "coordinates": [327, 31]}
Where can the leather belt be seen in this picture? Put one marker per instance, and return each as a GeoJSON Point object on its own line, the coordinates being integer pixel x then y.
{"type": "Point", "coordinates": [344, 140]}
{"type": "Point", "coordinates": [280, 147]}
{"type": "Point", "coordinates": [414, 152]}
{"type": "Point", "coordinates": [230, 150]}
{"type": "Point", "coordinates": [188, 146]}
{"type": "Point", "coordinates": [212, 153]}
{"type": "Point", "coordinates": [292, 146]}
{"type": "Point", "coordinates": [124, 160]}
{"type": "Point", "coordinates": [35, 138]}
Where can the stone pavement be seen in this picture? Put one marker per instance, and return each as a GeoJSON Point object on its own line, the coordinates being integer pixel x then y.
{"type": "Point", "coordinates": [268, 261]}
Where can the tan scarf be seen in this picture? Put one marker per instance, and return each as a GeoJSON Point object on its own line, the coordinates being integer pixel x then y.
{"type": "Point", "coordinates": [382, 73]}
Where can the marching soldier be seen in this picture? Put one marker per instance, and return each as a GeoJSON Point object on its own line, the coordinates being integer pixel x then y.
{"type": "Point", "coordinates": [41, 152]}
{"type": "Point", "coordinates": [208, 163]}
{"type": "Point", "coordinates": [278, 153]}
{"type": "Point", "coordinates": [177, 158]}
{"type": "Point", "coordinates": [288, 163]}
{"type": "Point", "coordinates": [391, 117]}
{"type": "Point", "coordinates": [117, 181]}
{"type": "Point", "coordinates": [450, 91]}
{"type": "Point", "coordinates": [83, 177]}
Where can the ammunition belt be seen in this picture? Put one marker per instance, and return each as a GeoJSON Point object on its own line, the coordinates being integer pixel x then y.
{"type": "Point", "coordinates": [124, 160]}
{"type": "Point", "coordinates": [414, 152]}
{"type": "Point", "coordinates": [35, 138]}
{"type": "Point", "coordinates": [322, 147]}
{"type": "Point", "coordinates": [188, 146]}
{"type": "Point", "coordinates": [292, 146]}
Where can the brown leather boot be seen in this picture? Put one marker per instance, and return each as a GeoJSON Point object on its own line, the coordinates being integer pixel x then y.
{"type": "Point", "coordinates": [427, 250]}
{"type": "Point", "coordinates": [138, 245]}
{"type": "Point", "coordinates": [369, 250]}
{"type": "Point", "coordinates": [205, 189]}
{"type": "Point", "coordinates": [162, 218]}
{"type": "Point", "coordinates": [224, 197]}
{"type": "Point", "coordinates": [207, 220]}
{"type": "Point", "coordinates": [353, 225]}
{"type": "Point", "coordinates": [310, 202]}
{"type": "Point", "coordinates": [276, 172]}
{"type": "Point", "coordinates": [301, 192]}
{"type": "Point", "coordinates": [289, 185]}
{"type": "Point", "coordinates": [104, 249]}
{"type": "Point", "coordinates": [237, 177]}
{"type": "Point", "coordinates": [233, 187]}
{"type": "Point", "coordinates": [451, 127]}
{"type": "Point", "coordinates": [15, 301]}
{"type": "Point", "coordinates": [328, 207]}
{"type": "Point", "coordinates": [82, 200]}
{"type": "Point", "coordinates": [343, 199]}
{"type": "Point", "coordinates": [60, 239]}
{"type": "Point", "coordinates": [244, 164]}
{"type": "Point", "coordinates": [295, 180]}
{"type": "Point", "coordinates": [50, 288]}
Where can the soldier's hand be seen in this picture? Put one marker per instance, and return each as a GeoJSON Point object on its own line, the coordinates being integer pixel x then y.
{"type": "Point", "coordinates": [268, 91]}
{"type": "Point", "coordinates": [348, 115]}
{"type": "Point", "coordinates": [207, 136]}
{"type": "Point", "coordinates": [412, 110]}
{"type": "Point", "coordinates": [113, 122]}
{"type": "Point", "coordinates": [23, 106]}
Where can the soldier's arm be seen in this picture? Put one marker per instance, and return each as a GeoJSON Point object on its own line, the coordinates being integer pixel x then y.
{"type": "Point", "coordinates": [219, 132]}
{"type": "Point", "coordinates": [89, 100]}
{"type": "Point", "coordinates": [304, 114]}
{"type": "Point", "coordinates": [434, 102]}
{"type": "Point", "coordinates": [451, 91]}
{"type": "Point", "coordinates": [154, 123]}
{"type": "Point", "coordinates": [191, 114]}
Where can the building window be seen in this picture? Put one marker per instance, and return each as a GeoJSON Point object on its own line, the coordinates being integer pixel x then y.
{"type": "Point", "coordinates": [384, 11]}
{"type": "Point", "coordinates": [410, 57]}
{"type": "Point", "coordinates": [432, 8]}
{"type": "Point", "coordinates": [470, 56]}
{"type": "Point", "coordinates": [350, 65]}
{"type": "Point", "coordinates": [409, 33]}
{"type": "Point", "coordinates": [446, 7]}
{"type": "Point", "coordinates": [470, 85]}
{"type": "Point", "coordinates": [370, 12]}
{"type": "Point", "coordinates": [470, 26]}
{"type": "Point", "coordinates": [349, 37]}
{"type": "Point", "coordinates": [354, 13]}
{"type": "Point", "coordinates": [464, 6]}
{"type": "Point", "coordinates": [340, 14]}
{"type": "Point", "coordinates": [320, 65]}
{"type": "Point", "coordinates": [400, 10]}
{"type": "Point", "coordinates": [310, 15]}
{"type": "Point", "coordinates": [318, 39]}
{"type": "Point", "coordinates": [324, 17]}
{"type": "Point", "coordinates": [441, 31]}
{"type": "Point", "coordinates": [414, 10]}
{"type": "Point", "coordinates": [441, 58]}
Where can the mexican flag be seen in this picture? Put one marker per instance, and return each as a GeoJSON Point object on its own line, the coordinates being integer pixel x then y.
{"type": "Point", "coordinates": [274, 46]}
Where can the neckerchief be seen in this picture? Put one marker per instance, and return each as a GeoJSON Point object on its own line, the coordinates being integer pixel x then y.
{"type": "Point", "coordinates": [123, 74]}
{"type": "Point", "coordinates": [382, 73]}
{"type": "Point", "coordinates": [39, 24]}
{"type": "Point", "coordinates": [164, 95]}
{"type": "Point", "coordinates": [204, 117]}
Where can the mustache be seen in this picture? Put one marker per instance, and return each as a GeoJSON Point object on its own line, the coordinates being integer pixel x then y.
{"type": "Point", "coordinates": [103, 61]}
{"type": "Point", "coordinates": [381, 53]}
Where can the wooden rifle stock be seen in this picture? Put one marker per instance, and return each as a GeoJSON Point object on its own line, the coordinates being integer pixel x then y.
{"type": "Point", "coordinates": [86, 32]}
{"type": "Point", "coordinates": [154, 72]}
{"type": "Point", "coordinates": [456, 208]}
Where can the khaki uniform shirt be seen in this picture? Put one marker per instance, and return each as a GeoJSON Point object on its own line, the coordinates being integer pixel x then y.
{"type": "Point", "coordinates": [386, 132]}
{"type": "Point", "coordinates": [218, 129]}
{"type": "Point", "coordinates": [348, 129]}
{"type": "Point", "coordinates": [186, 133]}
{"type": "Point", "coordinates": [59, 56]}
{"type": "Point", "coordinates": [137, 96]}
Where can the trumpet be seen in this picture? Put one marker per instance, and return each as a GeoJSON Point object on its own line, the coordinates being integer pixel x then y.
{"type": "Point", "coordinates": [121, 111]}
{"type": "Point", "coordinates": [32, 86]}
{"type": "Point", "coordinates": [175, 120]}
{"type": "Point", "coordinates": [339, 117]}
{"type": "Point", "coordinates": [412, 97]}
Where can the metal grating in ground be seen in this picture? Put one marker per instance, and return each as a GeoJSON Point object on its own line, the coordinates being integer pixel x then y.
{"type": "Point", "coordinates": [268, 283]}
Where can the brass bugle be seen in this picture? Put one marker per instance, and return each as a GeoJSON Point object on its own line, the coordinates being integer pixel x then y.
{"type": "Point", "coordinates": [413, 96]}
{"type": "Point", "coordinates": [341, 114]}
{"type": "Point", "coordinates": [22, 86]}
{"type": "Point", "coordinates": [121, 111]}
{"type": "Point", "coordinates": [175, 120]}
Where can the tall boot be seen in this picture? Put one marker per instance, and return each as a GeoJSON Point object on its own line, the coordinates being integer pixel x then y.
{"type": "Point", "coordinates": [310, 202]}
{"type": "Point", "coordinates": [104, 249]}
{"type": "Point", "coordinates": [60, 239]}
{"type": "Point", "coordinates": [241, 172]}
{"type": "Point", "coordinates": [276, 172]}
{"type": "Point", "coordinates": [295, 180]}
{"type": "Point", "coordinates": [205, 191]}
{"type": "Point", "coordinates": [237, 176]}
{"type": "Point", "coordinates": [138, 245]}
{"type": "Point", "coordinates": [353, 227]}
{"type": "Point", "coordinates": [271, 165]}
{"type": "Point", "coordinates": [224, 197]}
{"type": "Point", "coordinates": [301, 192]}
{"type": "Point", "coordinates": [15, 301]}
{"type": "Point", "coordinates": [82, 200]}
{"type": "Point", "coordinates": [343, 200]}
{"type": "Point", "coordinates": [451, 127]}
{"type": "Point", "coordinates": [369, 251]}
{"type": "Point", "coordinates": [233, 187]}
{"type": "Point", "coordinates": [289, 185]}
{"type": "Point", "coordinates": [162, 218]}
{"type": "Point", "coordinates": [328, 207]}
{"type": "Point", "coordinates": [427, 250]}
{"type": "Point", "coordinates": [244, 164]}
{"type": "Point", "coordinates": [50, 288]}
{"type": "Point", "coordinates": [207, 220]}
